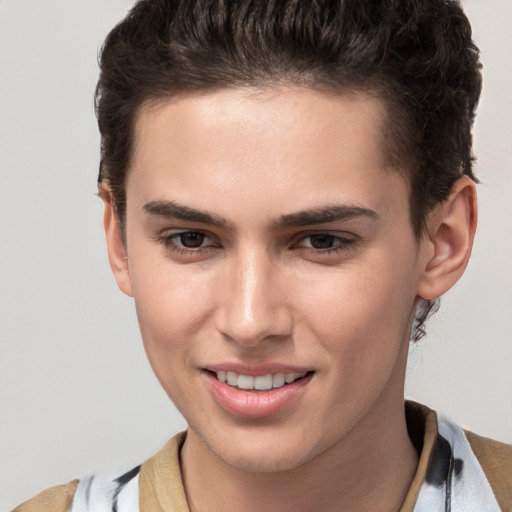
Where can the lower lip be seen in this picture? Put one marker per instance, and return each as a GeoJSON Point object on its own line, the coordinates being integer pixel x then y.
{"type": "Point", "coordinates": [256, 404]}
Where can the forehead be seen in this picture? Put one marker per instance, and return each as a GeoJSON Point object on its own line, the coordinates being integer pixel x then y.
{"type": "Point", "coordinates": [262, 117]}
{"type": "Point", "coordinates": [277, 145]}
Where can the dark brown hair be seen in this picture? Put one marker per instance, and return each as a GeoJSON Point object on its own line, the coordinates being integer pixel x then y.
{"type": "Point", "coordinates": [417, 56]}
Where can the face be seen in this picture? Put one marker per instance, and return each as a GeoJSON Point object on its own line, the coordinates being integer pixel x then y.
{"type": "Point", "coordinates": [269, 247]}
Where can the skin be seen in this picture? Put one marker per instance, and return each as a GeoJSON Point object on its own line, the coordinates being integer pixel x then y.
{"type": "Point", "coordinates": [334, 296]}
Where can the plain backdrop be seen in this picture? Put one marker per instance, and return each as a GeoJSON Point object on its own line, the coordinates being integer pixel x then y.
{"type": "Point", "coordinates": [76, 392]}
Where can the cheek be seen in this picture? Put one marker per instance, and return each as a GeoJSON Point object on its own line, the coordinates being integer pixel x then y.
{"type": "Point", "coordinates": [168, 295]}
{"type": "Point", "coordinates": [362, 313]}
{"type": "Point", "coordinates": [172, 306]}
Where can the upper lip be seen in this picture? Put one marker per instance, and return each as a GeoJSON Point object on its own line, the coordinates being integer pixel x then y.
{"type": "Point", "coordinates": [256, 370]}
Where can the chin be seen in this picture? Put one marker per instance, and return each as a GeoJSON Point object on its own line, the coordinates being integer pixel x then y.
{"type": "Point", "coordinates": [262, 453]}
{"type": "Point", "coordinates": [263, 462]}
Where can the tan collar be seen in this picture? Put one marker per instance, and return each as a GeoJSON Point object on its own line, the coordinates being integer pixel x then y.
{"type": "Point", "coordinates": [160, 483]}
{"type": "Point", "coordinates": [422, 426]}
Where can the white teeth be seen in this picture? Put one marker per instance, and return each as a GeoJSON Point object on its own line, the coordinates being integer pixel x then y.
{"type": "Point", "coordinates": [278, 380]}
{"type": "Point", "coordinates": [290, 377]}
{"type": "Point", "coordinates": [245, 382]}
{"type": "Point", "coordinates": [232, 378]}
{"type": "Point", "coordinates": [261, 383]}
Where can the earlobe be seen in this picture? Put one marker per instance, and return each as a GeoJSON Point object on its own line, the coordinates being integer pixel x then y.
{"type": "Point", "coordinates": [451, 230]}
{"type": "Point", "coordinates": [116, 248]}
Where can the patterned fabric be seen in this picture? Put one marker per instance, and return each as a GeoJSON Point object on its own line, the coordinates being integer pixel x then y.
{"type": "Point", "coordinates": [454, 482]}
{"type": "Point", "coordinates": [104, 494]}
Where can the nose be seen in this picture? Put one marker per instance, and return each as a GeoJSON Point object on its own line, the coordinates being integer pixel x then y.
{"type": "Point", "coordinates": [254, 305]}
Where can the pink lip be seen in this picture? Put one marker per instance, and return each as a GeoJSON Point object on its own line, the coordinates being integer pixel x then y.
{"type": "Point", "coordinates": [255, 404]}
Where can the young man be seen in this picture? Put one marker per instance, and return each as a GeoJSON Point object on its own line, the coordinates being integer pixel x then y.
{"type": "Point", "coordinates": [288, 190]}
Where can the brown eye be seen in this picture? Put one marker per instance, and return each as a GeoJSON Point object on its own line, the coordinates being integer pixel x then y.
{"type": "Point", "coordinates": [189, 246]}
{"type": "Point", "coordinates": [324, 244]}
{"type": "Point", "coordinates": [323, 241]}
{"type": "Point", "coordinates": [192, 239]}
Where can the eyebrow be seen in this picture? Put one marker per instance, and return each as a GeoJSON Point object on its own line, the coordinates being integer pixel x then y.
{"type": "Point", "coordinates": [324, 215]}
{"type": "Point", "coordinates": [171, 209]}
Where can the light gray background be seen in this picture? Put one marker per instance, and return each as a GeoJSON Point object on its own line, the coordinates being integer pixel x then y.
{"type": "Point", "coordinates": [77, 394]}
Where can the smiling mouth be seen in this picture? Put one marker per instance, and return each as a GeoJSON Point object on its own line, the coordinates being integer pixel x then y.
{"type": "Point", "coordinates": [259, 383]}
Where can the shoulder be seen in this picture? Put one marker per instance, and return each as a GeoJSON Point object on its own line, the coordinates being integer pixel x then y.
{"type": "Point", "coordinates": [157, 481]}
{"type": "Point", "coordinates": [95, 493]}
{"type": "Point", "coordinates": [54, 499]}
{"type": "Point", "coordinates": [457, 467]}
{"type": "Point", "coordinates": [495, 458]}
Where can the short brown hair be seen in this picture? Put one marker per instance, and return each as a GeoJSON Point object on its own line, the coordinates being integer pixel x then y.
{"type": "Point", "coordinates": [417, 56]}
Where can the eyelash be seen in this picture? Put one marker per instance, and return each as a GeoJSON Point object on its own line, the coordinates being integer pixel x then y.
{"type": "Point", "coordinates": [341, 243]}
{"type": "Point", "coordinates": [171, 242]}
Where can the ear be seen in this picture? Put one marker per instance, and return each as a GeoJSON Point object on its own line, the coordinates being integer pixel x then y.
{"type": "Point", "coordinates": [451, 230]}
{"type": "Point", "coordinates": [116, 248]}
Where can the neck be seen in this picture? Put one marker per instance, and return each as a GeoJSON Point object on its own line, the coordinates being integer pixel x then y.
{"type": "Point", "coordinates": [371, 468]}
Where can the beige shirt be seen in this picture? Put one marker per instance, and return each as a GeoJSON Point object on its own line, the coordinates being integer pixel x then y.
{"type": "Point", "coordinates": [161, 485]}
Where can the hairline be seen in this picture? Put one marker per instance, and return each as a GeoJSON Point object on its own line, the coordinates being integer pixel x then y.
{"type": "Point", "coordinates": [377, 92]}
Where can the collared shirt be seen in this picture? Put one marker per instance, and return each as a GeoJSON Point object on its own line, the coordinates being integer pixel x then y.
{"type": "Point", "coordinates": [457, 472]}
